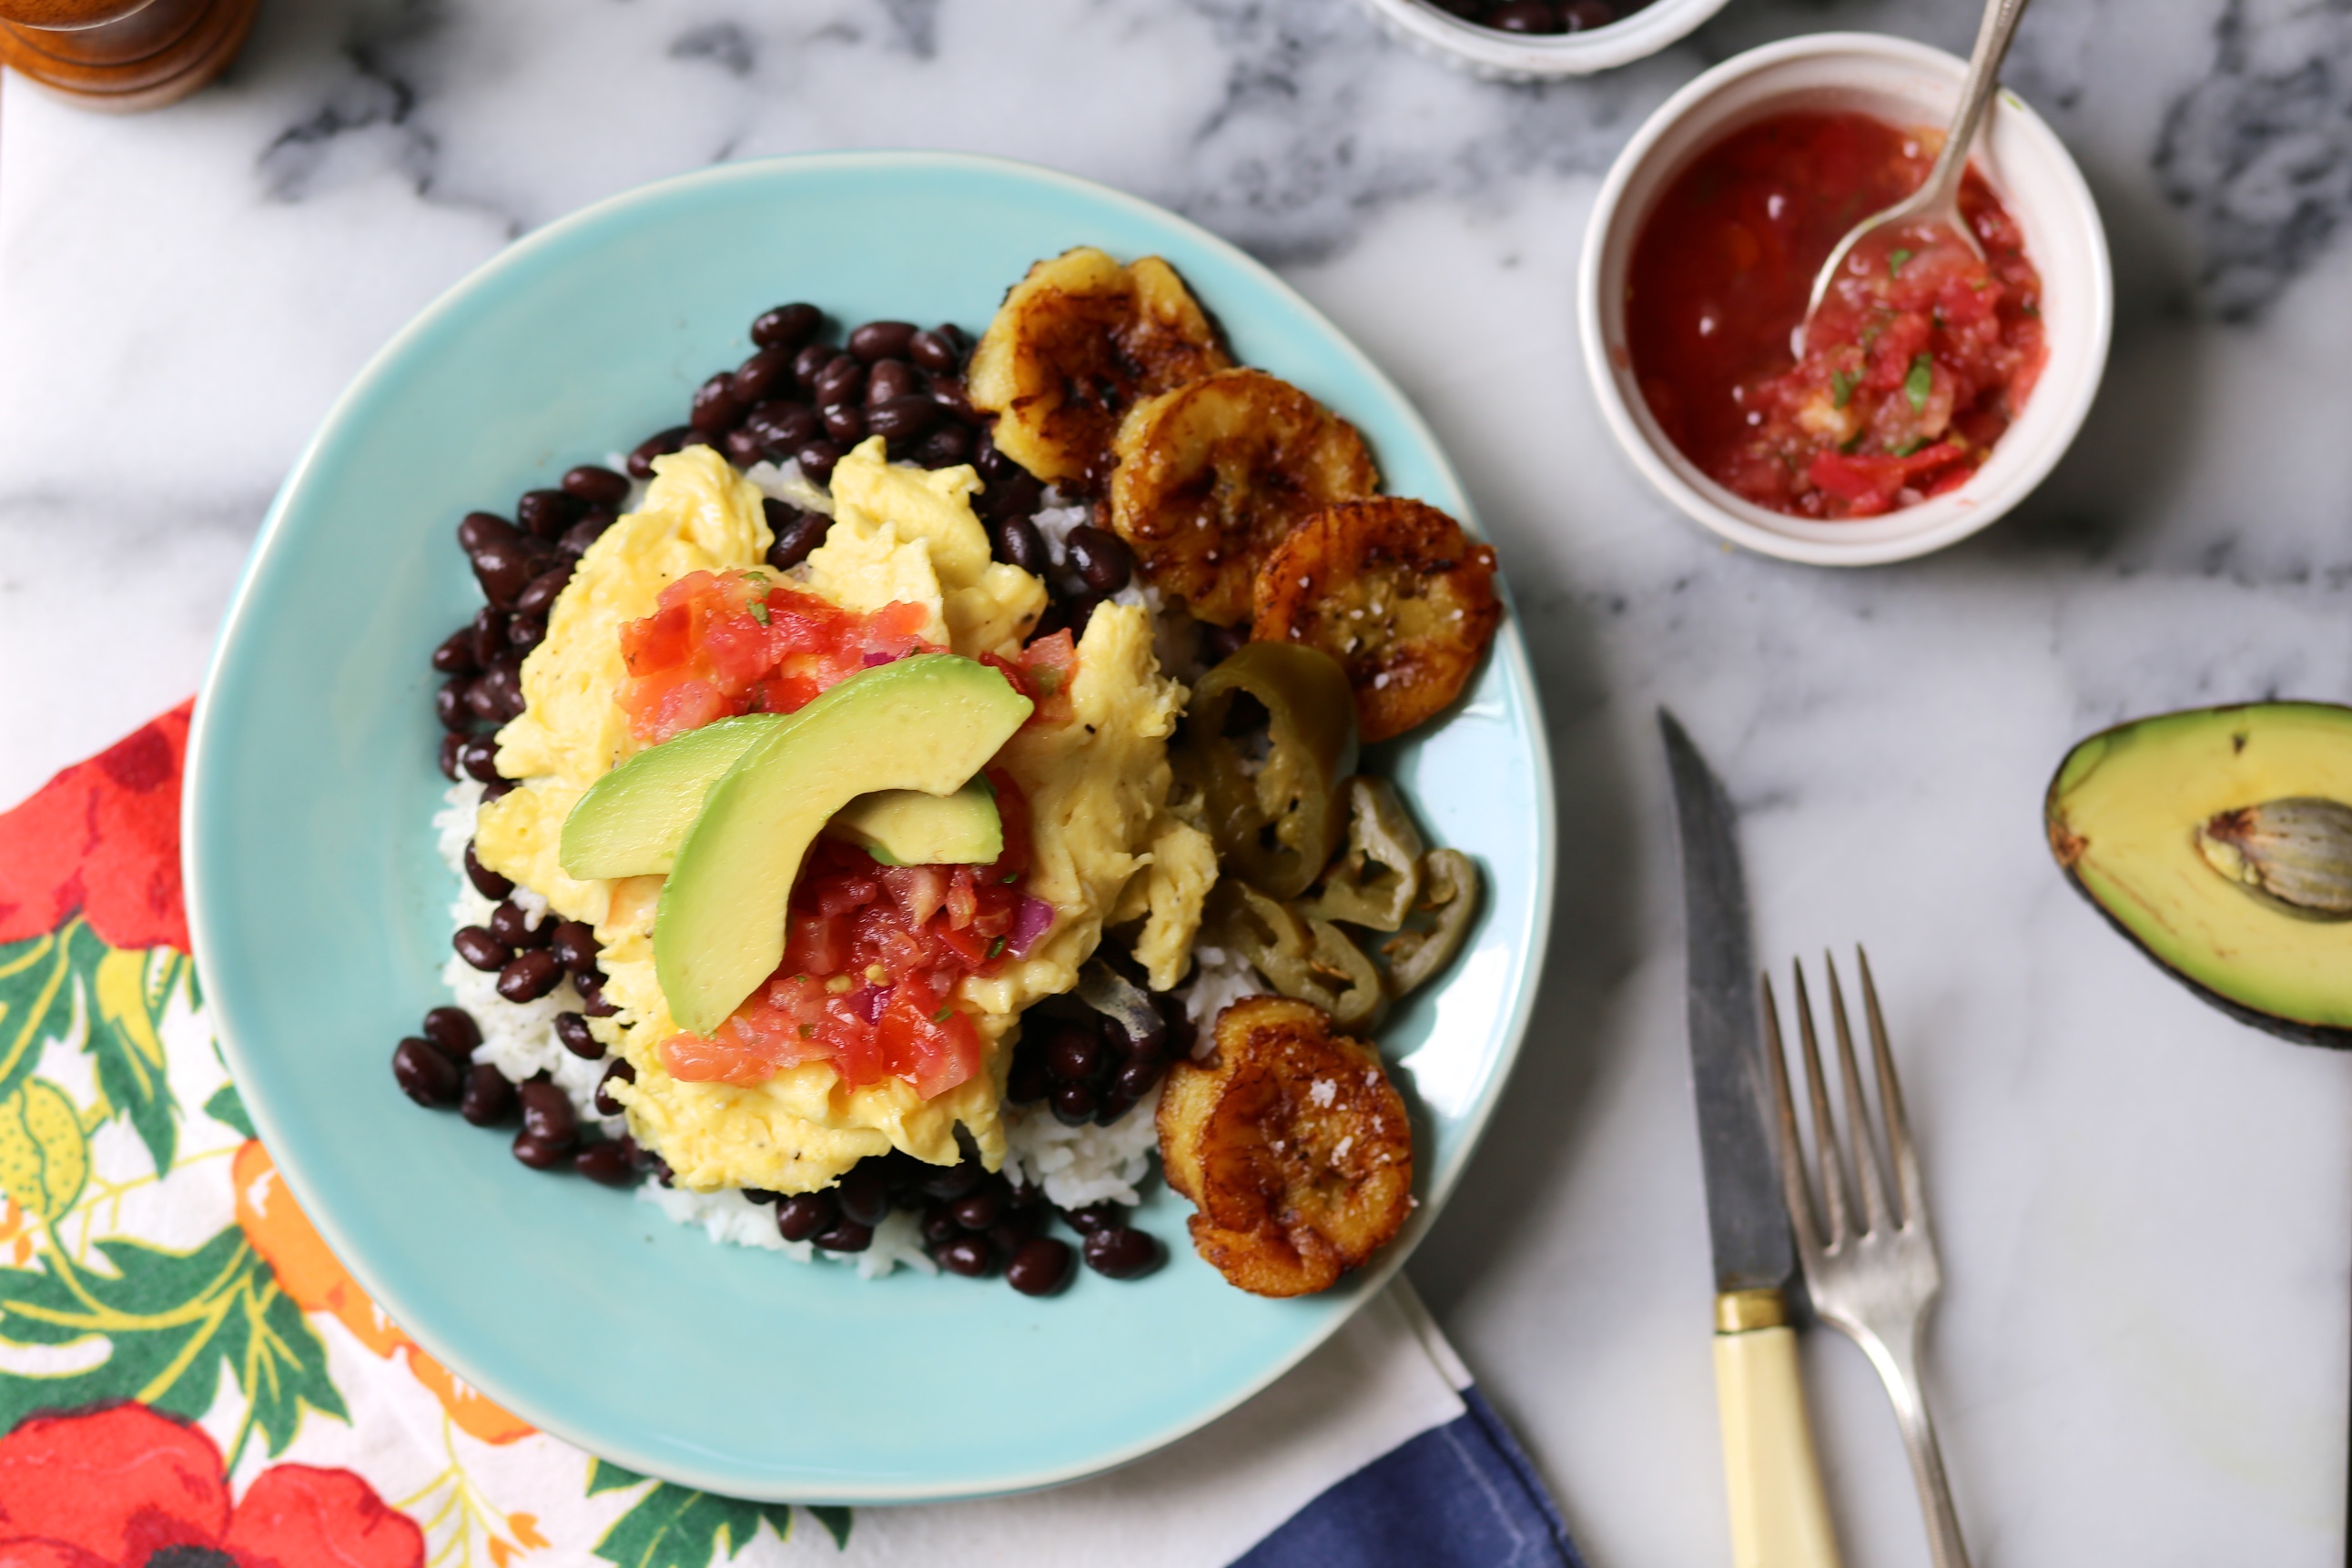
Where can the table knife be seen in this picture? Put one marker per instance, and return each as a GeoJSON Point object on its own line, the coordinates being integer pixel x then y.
{"type": "Point", "coordinates": [1779, 1518]}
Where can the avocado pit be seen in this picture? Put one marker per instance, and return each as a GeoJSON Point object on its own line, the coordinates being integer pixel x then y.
{"type": "Point", "coordinates": [2294, 854]}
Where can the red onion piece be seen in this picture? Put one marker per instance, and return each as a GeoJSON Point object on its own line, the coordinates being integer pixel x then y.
{"type": "Point", "coordinates": [1031, 919]}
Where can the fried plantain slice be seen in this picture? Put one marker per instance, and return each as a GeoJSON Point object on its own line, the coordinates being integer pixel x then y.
{"type": "Point", "coordinates": [1210, 476]}
{"type": "Point", "coordinates": [1075, 344]}
{"type": "Point", "coordinates": [1292, 1143]}
{"type": "Point", "coordinates": [1393, 591]}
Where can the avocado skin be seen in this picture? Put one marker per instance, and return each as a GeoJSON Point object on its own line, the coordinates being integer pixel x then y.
{"type": "Point", "coordinates": [2063, 851]}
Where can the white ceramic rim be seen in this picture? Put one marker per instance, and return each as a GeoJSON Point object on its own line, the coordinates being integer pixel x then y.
{"type": "Point", "coordinates": [1531, 55]}
{"type": "Point", "coordinates": [2063, 236]}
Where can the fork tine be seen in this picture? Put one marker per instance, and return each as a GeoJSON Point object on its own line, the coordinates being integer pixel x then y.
{"type": "Point", "coordinates": [1794, 1189]}
{"type": "Point", "coordinates": [1833, 1195]}
{"type": "Point", "coordinates": [1867, 1171]}
{"type": "Point", "coordinates": [1890, 1101]}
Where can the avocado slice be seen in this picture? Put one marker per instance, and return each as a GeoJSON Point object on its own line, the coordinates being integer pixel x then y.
{"type": "Point", "coordinates": [631, 822]}
{"type": "Point", "coordinates": [906, 827]}
{"type": "Point", "coordinates": [2215, 840]}
{"type": "Point", "coordinates": [926, 723]}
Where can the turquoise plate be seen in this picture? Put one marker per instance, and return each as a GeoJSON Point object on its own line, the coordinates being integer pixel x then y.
{"type": "Point", "coordinates": [318, 901]}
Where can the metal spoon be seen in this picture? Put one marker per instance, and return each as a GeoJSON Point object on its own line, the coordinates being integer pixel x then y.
{"type": "Point", "coordinates": [1938, 199]}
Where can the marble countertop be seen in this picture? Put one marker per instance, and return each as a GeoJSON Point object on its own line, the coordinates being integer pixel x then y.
{"type": "Point", "coordinates": [2145, 1210]}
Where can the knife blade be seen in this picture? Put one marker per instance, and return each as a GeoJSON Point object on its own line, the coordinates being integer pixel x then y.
{"type": "Point", "coordinates": [1779, 1514]}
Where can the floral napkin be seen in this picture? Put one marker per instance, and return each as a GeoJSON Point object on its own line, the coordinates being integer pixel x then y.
{"type": "Point", "coordinates": [190, 1379]}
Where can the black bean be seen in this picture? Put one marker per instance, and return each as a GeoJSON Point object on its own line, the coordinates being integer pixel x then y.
{"type": "Point", "coordinates": [781, 426]}
{"type": "Point", "coordinates": [482, 700]}
{"type": "Point", "coordinates": [890, 378]}
{"type": "Point", "coordinates": [586, 531]}
{"type": "Point", "coordinates": [1014, 497]}
{"type": "Point", "coordinates": [545, 514]}
{"type": "Point", "coordinates": [951, 396]}
{"type": "Point", "coordinates": [455, 657]}
{"type": "Point", "coordinates": [846, 1237]}
{"type": "Point", "coordinates": [939, 1225]}
{"type": "Point", "coordinates": [900, 420]}
{"type": "Point", "coordinates": [1016, 1226]}
{"type": "Point", "coordinates": [797, 533]}
{"type": "Point", "coordinates": [1583, 15]}
{"type": "Point", "coordinates": [953, 1182]}
{"type": "Point", "coordinates": [1079, 608]}
{"type": "Point", "coordinates": [1073, 1104]}
{"type": "Point", "coordinates": [525, 633]}
{"type": "Point", "coordinates": [944, 447]}
{"type": "Point", "coordinates": [741, 447]}
{"type": "Point", "coordinates": [1040, 1268]}
{"type": "Point", "coordinates": [500, 688]}
{"type": "Point", "coordinates": [476, 529]}
{"type": "Point", "coordinates": [424, 1074]}
{"type": "Point", "coordinates": [605, 1162]}
{"type": "Point", "coordinates": [478, 947]}
{"type": "Point", "coordinates": [934, 351]}
{"type": "Point", "coordinates": [806, 1214]}
{"type": "Point", "coordinates": [572, 1030]}
{"type": "Point", "coordinates": [844, 423]}
{"type": "Point", "coordinates": [591, 986]}
{"type": "Point", "coordinates": [817, 460]}
{"type": "Point", "coordinates": [454, 1030]}
{"type": "Point", "coordinates": [497, 790]}
{"type": "Point", "coordinates": [538, 1153]}
{"type": "Point", "coordinates": [810, 362]}
{"type": "Point", "coordinates": [488, 629]}
{"type": "Point", "coordinates": [881, 340]}
{"type": "Point", "coordinates": [716, 409]}
{"type": "Point", "coordinates": [1093, 1218]}
{"type": "Point", "coordinates": [865, 1195]}
{"type": "Point", "coordinates": [759, 376]}
{"type": "Point", "coordinates": [1101, 558]}
{"type": "Point", "coordinates": [1122, 1253]}
{"type": "Point", "coordinates": [1073, 1052]}
{"type": "Point", "coordinates": [970, 1256]}
{"type": "Point", "coordinates": [843, 379]}
{"type": "Point", "coordinates": [479, 757]}
{"type": "Point", "coordinates": [1136, 1078]}
{"type": "Point", "coordinates": [662, 1173]}
{"type": "Point", "coordinates": [1114, 1105]}
{"type": "Point", "coordinates": [529, 976]}
{"type": "Point", "coordinates": [993, 464]}
{"type": "Point", "coordinates": [978, 1210]}
{"type": "Point", "coordinates": [547, 1112]}
{"type": "Point", "coordinates": [1029, 1080]}
{"type": "Point", "coordinates": [450, 706]}
{"type": "Point", "coordinates": [447, 754]}
{"type": "Point", "coordinates": [489, 1099]}
{"type": "Point", "coordinates": [597, 486]}
{"type": "Point", "coordinates": [1524, 16]}
{"type": "Point", "coordinates": [539, 594]}
{"type": "Point", "coordinates": [659, 445]}
{"type": "Point", "coordinates": [486, 883]}
{"type": "Point", "coordinates": [786, 325]}
{"type": "Point", "coordinates": [605, 1104]}
{"type": "Point", "coordinates": [503, 569]}
{"type": "Point", "coordinates": [573, 943]}
{"type": "Point", "coordinates": [1018, 543]}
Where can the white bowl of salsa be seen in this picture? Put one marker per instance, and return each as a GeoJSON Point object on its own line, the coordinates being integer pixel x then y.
{"type": "Point", "coordinates": [1945, 391]}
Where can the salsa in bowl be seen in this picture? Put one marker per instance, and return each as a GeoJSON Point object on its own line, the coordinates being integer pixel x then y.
{"type": "Point", "coordinates": [1942, 379]}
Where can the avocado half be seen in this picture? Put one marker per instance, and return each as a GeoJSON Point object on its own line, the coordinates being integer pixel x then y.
{"type": "Point", "coordinates": [2124, 815]}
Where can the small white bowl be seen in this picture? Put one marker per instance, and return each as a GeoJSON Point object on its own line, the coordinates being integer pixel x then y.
{"type": "Point", "coordinates": [1532, 57]}
{"type": "Point", "coordinates": [1906, 84]}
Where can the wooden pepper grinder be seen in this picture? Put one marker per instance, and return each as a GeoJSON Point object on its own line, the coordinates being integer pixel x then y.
{"type": "Point", "coordinates": [122, 54]}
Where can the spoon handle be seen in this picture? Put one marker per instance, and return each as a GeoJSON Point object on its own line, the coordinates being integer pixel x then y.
{"type": "Point", "coordinates": [1977, 88]}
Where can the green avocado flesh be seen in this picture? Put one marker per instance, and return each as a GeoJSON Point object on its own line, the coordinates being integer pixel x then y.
{"type": "Point", "coordinates": [905, 827]}
{"type": "Point", "coordinates": [2124, 816]}
{"type": "Point", "coordinates": [927, 723]}
{"type": "Point", "coordinates": [632, 821]}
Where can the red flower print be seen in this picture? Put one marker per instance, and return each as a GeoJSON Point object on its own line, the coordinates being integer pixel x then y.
{"type": "Point", "coordinates": [102, 837]}
{"type": "Point", "coordinates": [121, 1486]}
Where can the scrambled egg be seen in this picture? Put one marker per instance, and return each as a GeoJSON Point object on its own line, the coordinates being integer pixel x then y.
{"type": "Point", "coordinates": [1107, 849]}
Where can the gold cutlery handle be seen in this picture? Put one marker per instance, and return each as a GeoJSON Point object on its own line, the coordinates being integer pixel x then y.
{"type": "Point", "coordinates": [1779, 1517]}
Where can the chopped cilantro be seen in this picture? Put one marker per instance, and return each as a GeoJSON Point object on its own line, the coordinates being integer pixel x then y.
{"type": "Point", "coordinates": [996, 946]}
{"type": "Point", "coordinates": [759, 611]}
{"type": "Point", "coordinates": [1918, 385]}
{"type": "Point", "coordinates": [1908, 447]}
{"type": "Point", "coordinates": [1895, 258]}
{"type": "Point", "coordinates": [943, 1015]}
{"type": "Point", "coordinates": [1011, 876]}
{"type": "Point", "coordinates": [1842, 387]}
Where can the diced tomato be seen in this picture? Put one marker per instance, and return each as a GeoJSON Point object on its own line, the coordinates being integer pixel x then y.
{"type": "Point", "coordinates": [1870, 484]}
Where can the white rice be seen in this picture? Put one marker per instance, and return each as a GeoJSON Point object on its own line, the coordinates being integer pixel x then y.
{"type": "Point", "coordinates": [1084, 1164]}
{"type": "Point", "coordinates": [784, 482]}
{"type": "Point", "coordinates": [1224, 977]}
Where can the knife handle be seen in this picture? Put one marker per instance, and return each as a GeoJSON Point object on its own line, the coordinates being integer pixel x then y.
{"type": "Point", "coordinates": [1779, 1518]}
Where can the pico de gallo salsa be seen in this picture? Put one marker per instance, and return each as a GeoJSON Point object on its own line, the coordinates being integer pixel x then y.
{"type": "Point", "coordinates": [1920, 357]}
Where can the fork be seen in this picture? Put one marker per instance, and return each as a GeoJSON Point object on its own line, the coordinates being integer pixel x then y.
{"type": "Point", "coordinates": [1876, 1284]}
